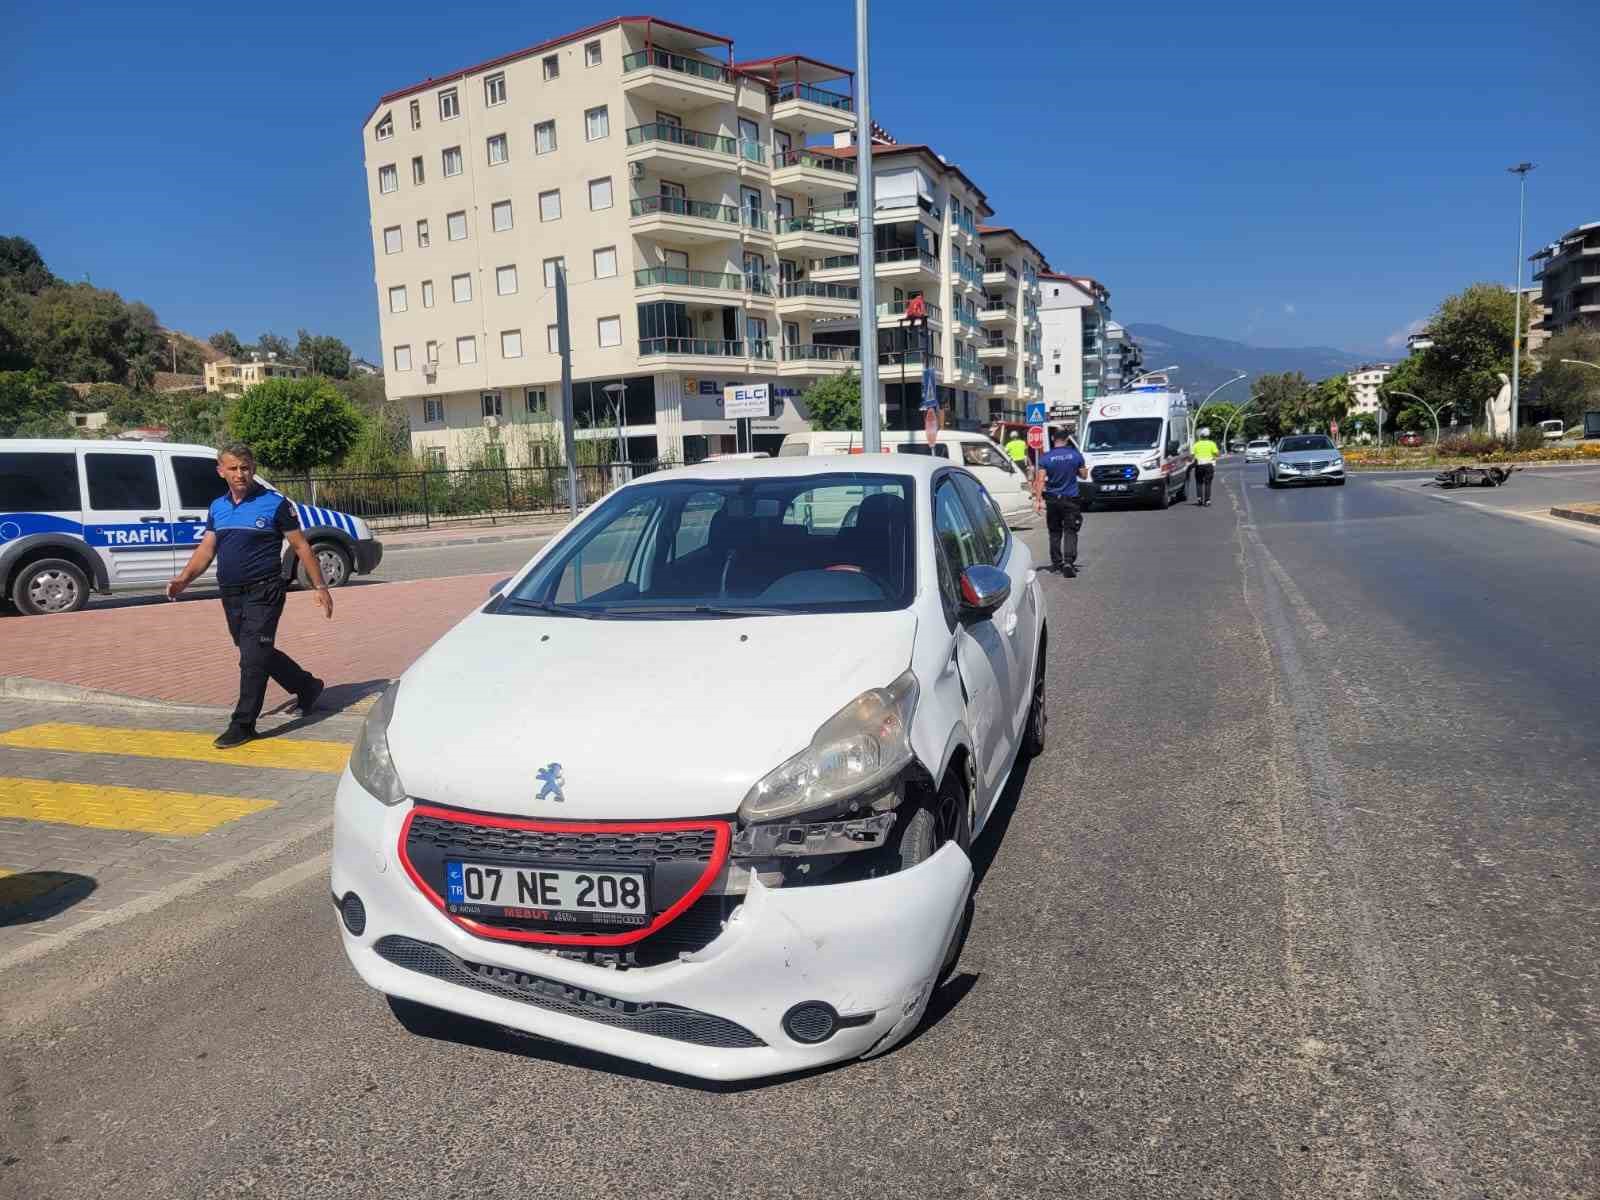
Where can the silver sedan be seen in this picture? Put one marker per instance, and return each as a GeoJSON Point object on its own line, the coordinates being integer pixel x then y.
{"type": "Point", "coordinates": [1305, 458]}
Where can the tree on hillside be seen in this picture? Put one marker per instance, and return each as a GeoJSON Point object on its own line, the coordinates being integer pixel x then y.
{"type": "Point", "coordinates": [80, 333]}
{"type": "Point", "coordinates": [270, 345]}
{"type": "Point", "coordinates": [31, 405]}
{"type": "Point", "coordinates": [1570, 391]}
{"type": "Point", "coordinates": [295, 424]}
{"type": "Point", "coordinates": [227, 342]}
{"type": "Point", "coordinates": [323, 355]}
{"type": "Point", "coordinates": [834, 403]}
{"type": "Point", "coordinates": [22, 264]}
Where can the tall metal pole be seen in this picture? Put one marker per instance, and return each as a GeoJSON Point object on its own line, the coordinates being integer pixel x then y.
{"type": "Point", "coordinates": [1521, 171]}
{"type": "Point", "coordinates": [866, 209]}
{"type": "Point", "coordinates": [564, 346]}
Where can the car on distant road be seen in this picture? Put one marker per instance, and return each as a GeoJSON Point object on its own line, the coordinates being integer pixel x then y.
{"type": "Point", "coordinates": [1236, 446]}
{"type": "Point", "coordinates": [552, 823]}
{"type": "Point", "coordinates": [1305, 458]}
{"type": "Point", "coordinates": [1410, 438]}
{"type": "Point", "coordinates": [1258, 450]}
{"type": "Point", "coordinates": [1553, 431]}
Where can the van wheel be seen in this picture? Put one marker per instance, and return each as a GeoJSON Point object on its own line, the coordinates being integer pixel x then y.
{"type": "Point", "coordinates": [1183, 491]}
{"type": "Point", "coordinates": [333, 560]}
{"type": "Point", "coordinates": [50, 585]}
{"type": "Point", "coordinates": [1164, 496]}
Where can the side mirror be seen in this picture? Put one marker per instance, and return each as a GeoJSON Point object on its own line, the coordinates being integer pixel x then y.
{"type": "Point", "coordinates": [983, 589]}
{"type": "Point", "coordinates": [495, 588]}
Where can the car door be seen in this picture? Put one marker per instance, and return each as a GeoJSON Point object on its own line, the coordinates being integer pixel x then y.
{"type": "Point", "coordinates": [982, 659]}
{"type": "Point", "coordinates": [999, 475]}
{"type": "Point", "coordinates": [193, 483]}
{"type": "Point", "coordinates": [125, 515]}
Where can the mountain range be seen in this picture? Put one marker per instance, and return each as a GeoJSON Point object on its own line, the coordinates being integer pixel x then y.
{"type": "Point", "coordinates": [1207, 362]}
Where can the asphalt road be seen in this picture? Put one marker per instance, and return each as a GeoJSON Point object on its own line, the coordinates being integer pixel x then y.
{"type": "Point", "coordinates": [1298, 902]}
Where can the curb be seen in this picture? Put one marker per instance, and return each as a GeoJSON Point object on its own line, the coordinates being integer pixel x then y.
{"type": "Point", "coordinates": [487, 539]}
{"type": "Point", "coordinates": [1574, 514]}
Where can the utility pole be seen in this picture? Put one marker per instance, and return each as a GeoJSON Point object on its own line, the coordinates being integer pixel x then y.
{"type": "Point", "coordinates": [866, 209]}
{"type": "Point", "coordinates": [1521, 171]}
{"type": "Point", "coordinates": [564, 346]}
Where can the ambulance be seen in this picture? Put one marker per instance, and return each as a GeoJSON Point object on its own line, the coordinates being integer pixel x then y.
{"type": "Point", "coordinates": [1138, 446]}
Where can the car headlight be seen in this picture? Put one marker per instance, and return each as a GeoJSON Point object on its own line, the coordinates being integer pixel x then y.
{"type": "Point", "coordinates": [370, 761]}
{"type": "Point", "coordinates": [1150, 464]}
{"type": "Point", "coordinates": [863, 745]}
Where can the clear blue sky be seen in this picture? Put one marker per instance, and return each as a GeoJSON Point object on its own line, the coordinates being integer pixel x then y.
{"type": "Point", "coordinates": [1322, 174]}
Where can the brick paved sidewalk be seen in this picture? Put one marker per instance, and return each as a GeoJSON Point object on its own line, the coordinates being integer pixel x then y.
{"type": "Point", "coordinates": [471, 533]}
{"type": "Point", "coordinates": [180, 652]}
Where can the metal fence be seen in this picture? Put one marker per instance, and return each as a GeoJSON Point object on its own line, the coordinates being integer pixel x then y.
{"type": "Point", "coordinates": [422, 499]}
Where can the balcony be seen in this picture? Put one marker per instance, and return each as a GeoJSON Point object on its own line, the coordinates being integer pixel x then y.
{"type": "Point", "coordinates": [811, 174]}
{"type": "Point", "coordinates": [992, 314]}
{"type": "Point", "coordinates": [693, 221]}
{"type": "Point", "coordinates": [905, 366]}
{"type": "Point", "coordinates": [673, 150]}
{"type": "Point", "coordinates": [1001, 387]}
{"type": "Point", "coordinates": [893, 312]}
{"type": "Point", "coordinates": [997, 275]}
{"type": "Point", "coordinates": [812, 109]}
{"type": "Point", "coordinates": [818, 359]}
{"type": "Point", "coordinates": [897, 262]}
{"type": "Point", "coordinates": [814, 235]}
{"type": "Point", "coordinates": [673, 283]}
{"type": "Point", "coordinates": [829, 300]}
{"type": "Point", "coordinates": [679, 79]}
{"type": "Point", "coordinates": [997, 349]}
{"type": "Point", "coordinates": [695, 352]}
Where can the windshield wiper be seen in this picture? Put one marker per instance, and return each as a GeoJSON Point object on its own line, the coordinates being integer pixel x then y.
{"type": "Point", "coordinates": [693, 610]}
{"type": "Point", "coordinates": [561, 610]}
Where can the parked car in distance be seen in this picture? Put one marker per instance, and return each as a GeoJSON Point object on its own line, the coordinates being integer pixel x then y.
{"type": "Point", "coordinates": [1411, 438]}
{"type": "Point", "coordinates": [1236, 446]}
{"type": "Point", "coordinates": [1553, 431]}
{"type": "Point", "coordinates": [1258, 450]}
{"type": "Point", "coordinates": [1305, 458]}
{"type": "Point", "coordinates": [736, 881]}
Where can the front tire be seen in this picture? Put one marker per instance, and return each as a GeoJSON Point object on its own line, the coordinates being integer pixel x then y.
{"type": "Point", "coordinates": [1272, 478]}
{"type": "Point", "coordinates": [1038, 714]}
{"type": "Point", "coordinates": [947, 817]}
{"type": "Point", "coordinates": [50, 586]}
{"type": "Point", "coordinates": [1183, 489]}
{"type": "Point", "coordinates": [335, 564]}
{"type": "Point", "coordinates": [1164, 496]}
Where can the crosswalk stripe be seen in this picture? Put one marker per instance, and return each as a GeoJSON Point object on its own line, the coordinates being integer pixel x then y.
{"type": "Point", "coordinates": [138, 810]}
{"type": "Point", "coordinates": [293, 754]}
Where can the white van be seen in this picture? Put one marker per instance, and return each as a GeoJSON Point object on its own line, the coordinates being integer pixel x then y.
{"type": "Point", "coordinates": [975, 451]}
{"type": "Point", "coordinates": [1139, 447]}
{"type": "Point", "coordinates": [79, 515]}
{"type": "Point", "coordinates": [1553, 431]}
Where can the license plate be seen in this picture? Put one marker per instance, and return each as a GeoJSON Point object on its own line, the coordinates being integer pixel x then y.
{"type": "Point", "coordinates": [1114, 487]}
{"type": "Point", "coordinates": [563, 895]}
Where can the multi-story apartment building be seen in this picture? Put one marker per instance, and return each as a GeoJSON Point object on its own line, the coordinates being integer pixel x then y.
{"type": "Point", "coordinates": [1075, 313]}
{"type": "Point", "coordinates": [232, 377]}
{"type": "Point", "coordinates": [1011, 351]}
{"type": "Point", "coordinates": [1366, 382]}
{"type": "Point", "coordinates": [1568, 271]}
{"type": "Point", "coordinates": [704, 211]}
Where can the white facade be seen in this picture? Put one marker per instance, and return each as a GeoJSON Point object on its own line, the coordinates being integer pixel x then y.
{"type": "Point", "coordinates": [1365, 384]}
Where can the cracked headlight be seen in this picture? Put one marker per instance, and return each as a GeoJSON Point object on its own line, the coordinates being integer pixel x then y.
{"type": "Point", "coordinates": [370, 761]}
{"type": "Point", "coordinates": [862, 746]}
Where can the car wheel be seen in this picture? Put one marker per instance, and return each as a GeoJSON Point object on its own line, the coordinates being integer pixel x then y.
{"type": "Point", "coordinates": [333, 560]}
{"type": "Point", "coordinates": [1163, 495]}
{"type": "Point", "coordinates": [947, 817]}
{"type": "Point", "coordinates": [1038, 716]}
{"type": "Point", "coordinates": [1183, 488]}
{"type": "Point", "coordinates": [1272, 478]}
{"type": "Point", "coordinates": [1338, 483]}
{"type": "Point", "coordinates": [420, 1019]}
{"type": "Point", "coordinates": [48, 586]}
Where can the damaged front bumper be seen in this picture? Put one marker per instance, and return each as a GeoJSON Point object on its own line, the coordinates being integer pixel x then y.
{"type": "Point", "coordinates": [868, 952]}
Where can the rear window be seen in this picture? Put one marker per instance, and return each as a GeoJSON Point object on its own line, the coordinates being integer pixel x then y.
{"type": "Point", "coordinates": [794, 449]}
{"type": "Point", "coordinates": [38, 482]}
{"type": "Point", "coordinates": [198, 481]}
{"type": "Point", "coordinates": [939, 450]}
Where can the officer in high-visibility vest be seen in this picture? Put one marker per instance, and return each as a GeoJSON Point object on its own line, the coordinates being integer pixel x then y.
{"type": "Point", "coordinates": [1017, 450]}
{"type": "Point", "coordinates": [1205, 465]}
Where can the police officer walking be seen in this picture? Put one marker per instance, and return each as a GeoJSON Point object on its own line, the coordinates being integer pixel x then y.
{"type": "Point", "coordinates": [1055, 493]}
{"type": "Point", "coordinates": [1205, 466]}
{"type": "Point", "coordinates": [245, 532]}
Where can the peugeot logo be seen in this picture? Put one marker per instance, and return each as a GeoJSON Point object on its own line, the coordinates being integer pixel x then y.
{"type": "Point", "coordinates": [553, 780]}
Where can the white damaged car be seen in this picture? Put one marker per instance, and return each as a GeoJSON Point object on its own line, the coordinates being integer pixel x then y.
{"type": "Point", "coordinates": [697, 786]}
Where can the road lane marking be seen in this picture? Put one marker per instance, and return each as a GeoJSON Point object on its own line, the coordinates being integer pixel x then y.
{"type": "Point", "coordinates": [287, 878]}
{"type": "Point", "coordinates": [136, 810]}
{"type": "Point", "coordinates": [290, 754]}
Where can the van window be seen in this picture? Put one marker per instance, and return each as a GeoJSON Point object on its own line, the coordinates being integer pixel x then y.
{"type": "Point", "coordinates": [985, 516]}
{"type": "Point", "coordinates": [940, 450]}
{"type": "Point", "coordinates": [982, 454]}
{"type": "Point", "coordinates": [794, 449]}
{"type": "Point", "coordinates": [198, 481]}
{"type": "Point", "coordinates": [122, 481]}
{"type": "Point", "coordinates": [38, 482]}
{"type": "Point", "coordinates": [1125, 433]}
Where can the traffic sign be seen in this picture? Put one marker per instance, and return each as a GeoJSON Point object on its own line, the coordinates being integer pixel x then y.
{"type": "Point", "coordinates": [1036, 412]}
{"type": "Point", "coordinates": [1036, 437]}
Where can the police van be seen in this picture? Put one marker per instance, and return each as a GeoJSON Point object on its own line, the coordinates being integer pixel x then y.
{"type": "Point", "coordinates": [1139, 447]}
{"type": "Point", "coordinates": [78, 516]}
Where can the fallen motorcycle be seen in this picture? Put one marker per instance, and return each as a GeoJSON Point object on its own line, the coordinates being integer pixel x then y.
{"type": "Point", "coordinates": [1458, 477]}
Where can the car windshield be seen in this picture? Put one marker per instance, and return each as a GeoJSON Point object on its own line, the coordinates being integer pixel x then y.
{"type": "Point", "coordinates": [1290, 444]}
{"type": "Point", "coordinates": [690, 548]}
{"type": "Point", "coordinates": [1125, 433]}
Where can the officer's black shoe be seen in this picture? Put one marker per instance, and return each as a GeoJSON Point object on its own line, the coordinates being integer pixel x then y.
{"type": "Point", "coordinates": [308, 698]}
{"type": "Point", "coordinates": [234, 735]}
{"type": "Point", "coordinates": [1070, 571]}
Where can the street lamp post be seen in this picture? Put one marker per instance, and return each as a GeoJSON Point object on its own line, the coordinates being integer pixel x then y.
{"type": "Point", "coordinates": [1236, 415]}
{"type": "Point", "coordinates": [1433, 410]}
{"type": "Point", "coordinates": [866, 253]}
{"type": "Point", "coordinates": [1578, 362]}
{"type": "Point", "coordinates": [1214, 391]}
{"type": "Point", "coordinates": [618, 391]}
{"type": "Point", "coordinates": [1521, 171]}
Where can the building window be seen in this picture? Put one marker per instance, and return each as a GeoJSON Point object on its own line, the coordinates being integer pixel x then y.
{"type": "Point", "coordinates": [391, 240]}
{"type": "Point", "coordinates": [418, 176]}
{"type": "Point", "coordinates": [552, 338]}
{"type": "Point", "coordinates": [500, 215]}
{"type": "Point", "coordinates": [505, 280]}
{"type": "Point", "coordinates": [388, 179]}
{"type": "Point", "coordinates": [550, 265]}
{"type": "Point", "coordinates": [431, 352]}
{"type": "Point", "coordinates": [437, 456]}
{"type": "Point", "coordinates": [449, 105]}
{"type": "Point", "coordinates": [397, 299]}
{"type": "Point", "coordinates": [494, 89]}
{"type": "Point", "coordinates": [492, 406]}
{"type": "Point", "coordinates": [427, 293]}
{"type": "Point", "coordinates": [402, 358]}
{"type": "Point", "coordinates": [511, 343]}
{"type": "Point", "coordinates": [385, 127]}
{"type": "Point", "coordinates": [605, 262]}
{"type": "Point", "coordinates": [452, 161]}
{"type": "Point", "coordinates": [599, 194]}
{"type": "Point", "coordinates": [591, 54]}
{"type": "Point", "coordinates": [466, 350]}
{"type": "Point", "coordinates": [455, 226]}
{"type": "Point", "coordinates": [538, 402]}
{"type": "Point", "coordinates": [433, 411]}
{"type": "Point", "coordinates": [550, 205]}
{"type": "Point", "coordinates": [461, 288]}
{"type": "Point", "coordinates": [552, 66]}
{"type": "Point", "coordinates": [610, 329]}
{"type": "Point", "coordinates": [497, 150]}
{"type": "Point", "coordinates": [422, 235]}
{"type": "Point", "coordinates": [597, 123]}
{"type": "Point", "coordinates": [1058, 368]}
{"type": "Point", "coordinates": [544, 137]}
{"type": "Point", "coordinates": [416, 114]}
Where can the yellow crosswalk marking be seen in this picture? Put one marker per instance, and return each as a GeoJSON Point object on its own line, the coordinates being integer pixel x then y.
{"type": "Point", "coordinates": [293, 754]}
{"type": "Point", "coordinates": [140, 810]}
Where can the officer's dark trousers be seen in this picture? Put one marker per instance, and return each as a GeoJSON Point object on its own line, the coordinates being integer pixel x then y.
{"type": "Point", "coordinates": [1063, 516]}
{"type": "Point", "coordinates": [1203, 473]}
{"type": "Point", "coordinates": [253, 610]}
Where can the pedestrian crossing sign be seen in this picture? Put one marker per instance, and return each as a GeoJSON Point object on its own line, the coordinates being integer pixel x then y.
{"type": "Point", "coordinates": [1036, 412]}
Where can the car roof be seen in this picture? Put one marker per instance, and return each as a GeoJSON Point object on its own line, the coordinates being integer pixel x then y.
{"type": "Point", "coordinates": [915, 465]}
{"type": "Point", "coordinates": [14, 445]}
{"type": "Point", "coordinates": [892, 436]}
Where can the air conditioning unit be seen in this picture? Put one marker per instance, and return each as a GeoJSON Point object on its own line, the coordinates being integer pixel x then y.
{"type": "Point", "coordinates": [430, 371]}
{"type": "Point", "coordinates": [636, 170]}
{"type": "Point", "coordinates": [491, 422]}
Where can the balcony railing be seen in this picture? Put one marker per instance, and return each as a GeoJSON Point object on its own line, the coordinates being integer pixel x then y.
{"type": "Point", "coordinates": [907, 357]}
{"type": "Point", "coordinates": [820, 162]}
{"type": "Point", "coordinates": [759, 284]}
{"type": "Point", "coordinates": [821, 291]}
{"type": "Point", "coordinates": [997, 306]}
{"type": "Point", "coordinates": [999, 381]}
{"type": "Point", "coordinates": [812, 95]}
{"type": "Point", "coordinates": [756, 218]}
{"type": "Point", "coordinates": [677, 206]}
{"type": "Point", "coordinates": [904, 254]}
{"type": "Point", "coordinates": [681, 63]}
{"type": "Point", "coordinates": [682, 277]}
{"type": "Point", "coordinates": [897, 308]}
{"type": "Point", "coordinates": [1000, 343]}
{"type": "Point", "coordinates": [665, 131]}
{"type": "Point", "coordinates": [753, 152]}
{"type": "Point", "coordinates": [812, 224]}
{"type": "Point", "coordinates": [760, 348]}
{"type": "Point", "coordinates": [821, 353]}
{"type": "Point", "coordinates": [701, 347]}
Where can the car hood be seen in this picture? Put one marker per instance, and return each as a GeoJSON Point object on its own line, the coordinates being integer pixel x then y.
{"type": "Point", "coordinates": [647, 719]}
{"type": "Point", "coordinates": [1305, 456]}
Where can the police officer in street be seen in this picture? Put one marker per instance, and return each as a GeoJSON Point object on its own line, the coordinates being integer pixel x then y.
{"type": "Point", "coordinates": [245, 532]}
{"type": "Point", "coordinates": [1055, 493]}
{"type": "Point", "coordinates": [1205, 466]}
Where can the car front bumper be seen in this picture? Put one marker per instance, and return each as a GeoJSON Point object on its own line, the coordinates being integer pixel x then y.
{"type": "Point", "coordinates": [870, 949]}
{"type": "Point", "coordinates": [1136, 489]}
{"type": "Point", "coordinates": [1286, 476]}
